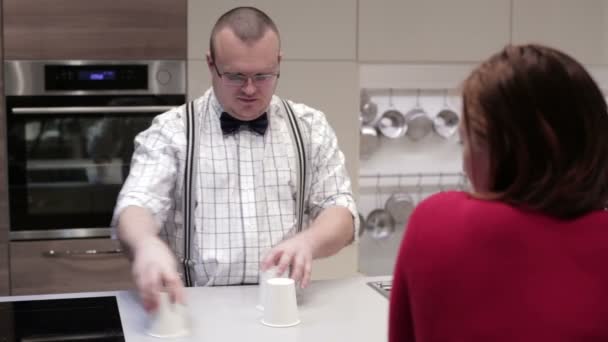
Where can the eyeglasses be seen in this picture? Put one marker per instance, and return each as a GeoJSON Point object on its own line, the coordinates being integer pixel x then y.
{"type": "Point", "coordinates": [240, 80]}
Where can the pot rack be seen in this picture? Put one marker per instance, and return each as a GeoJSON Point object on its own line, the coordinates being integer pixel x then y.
{"type": "Point", "coordinates": [442, 180]}
{"type": "Point", "coordinates": [412, 175]}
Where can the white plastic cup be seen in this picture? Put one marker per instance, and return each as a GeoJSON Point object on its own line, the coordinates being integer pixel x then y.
{"type": "Point", "coordinates": [264, 276]}
{"type": "Point", "coordinates": [169, 320]}
{"type": "Point", "coordinates": [280, 304]}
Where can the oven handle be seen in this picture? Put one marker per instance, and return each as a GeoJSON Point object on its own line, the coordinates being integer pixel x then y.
{"type": "Point", "coordinates": [91, 110]}
{"type": "Point", "coordinates": [74, 337]}
{"type": "Point", "coordinates": [70, 253]}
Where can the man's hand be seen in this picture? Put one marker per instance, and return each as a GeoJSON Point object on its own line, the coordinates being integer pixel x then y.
{"type": "Point", "coordinates": [296, 252]}
{"type": "Point", "coordinates": [330, 231]}
{"type": "Point", "coordinates": [155, 270]}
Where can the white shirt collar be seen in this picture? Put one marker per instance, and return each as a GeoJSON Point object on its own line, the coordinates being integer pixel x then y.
{"type": "Point", "coordinates": [217, 107]}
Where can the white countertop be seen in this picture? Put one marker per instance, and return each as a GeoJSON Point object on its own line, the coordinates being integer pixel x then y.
{"type": "Point", "coordinates": [330, 310]}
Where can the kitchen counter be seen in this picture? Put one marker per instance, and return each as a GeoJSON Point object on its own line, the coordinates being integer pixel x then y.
{"type": "Point", "coordinates": [330, 310]}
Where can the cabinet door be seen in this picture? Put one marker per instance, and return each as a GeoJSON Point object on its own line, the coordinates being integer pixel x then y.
{"type": "Point", "coordinates": [7, 322]}
{"type": "Point", "coordinates": [34, 272]}
{"type": "Point", "coordinates": [311, 30]}
{"type": "Point", "coordinates": [4, 222]}
{"type": "Point", "coordinates": [91, 29]}
{"type": "Point", "coordinates": [4, 285]}
{"type": "Point", "coordinates": [576, 27]}
{"type": "Point", "coordinates": [432, 30]}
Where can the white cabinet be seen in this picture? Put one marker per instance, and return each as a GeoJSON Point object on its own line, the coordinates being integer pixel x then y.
{"type": "Point", "coordinates": [336, 95]}
{"type": "Point", "coordinates": [579, 28]}
{"type": "Point", "coordinates": [313, 29]}
{"type": "Point", "coordinates": [432, 30]}
{"type": "Point", "coordinates": [333, 88]}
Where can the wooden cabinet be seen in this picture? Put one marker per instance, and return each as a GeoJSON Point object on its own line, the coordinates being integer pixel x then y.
{"type": "Point", "coordinates": [4, 273]}
{"type": "Point", "coordinates": [34, 273]}
{"type": "Point", "coordinates": [92, 29]}
{"type": "Point", "coordinates": [7, 322]}
{"type": "Point", "coordinates": [432, 30]}
{"type": "Point", "coordinates": [311, 30]}
{"type": "Point", "coordinates": [576, 27]}
{"type": "Point", "coordinates": [4, 222]}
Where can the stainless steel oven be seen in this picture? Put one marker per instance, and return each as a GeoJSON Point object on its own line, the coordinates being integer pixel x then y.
{"type": "Point", "coordinates": [70, 131]}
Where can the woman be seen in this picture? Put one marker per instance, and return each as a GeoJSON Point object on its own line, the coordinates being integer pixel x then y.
{"type": "Point", "coordinates": [524, 256]}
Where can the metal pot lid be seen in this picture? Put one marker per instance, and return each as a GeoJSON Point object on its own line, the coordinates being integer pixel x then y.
{"type": "Point", "coordinates": [446, 123]}
{"type": "Point", "coordinates": [368, 109]}
{"type": "Point", "coordinates": [419, 124]}
{"type": "Point", "coordinates": [380, 224]}
{"type": "Point", "coordinates": [400, 205]}
{"type": "Point", "coordinates": [369, 141]}
{"type": "Point", "coordinates": [392, 124]}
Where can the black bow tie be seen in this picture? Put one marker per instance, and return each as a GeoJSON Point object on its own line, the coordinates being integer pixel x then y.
{"type": "Point", "coordinates": [231, 124]}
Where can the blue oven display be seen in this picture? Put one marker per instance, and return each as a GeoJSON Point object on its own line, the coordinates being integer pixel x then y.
{"type": "Point", "coordinates": [97, 75]}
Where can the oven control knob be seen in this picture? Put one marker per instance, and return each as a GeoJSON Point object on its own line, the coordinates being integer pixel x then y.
{"type": "Point", "coordinates": [163, 76]}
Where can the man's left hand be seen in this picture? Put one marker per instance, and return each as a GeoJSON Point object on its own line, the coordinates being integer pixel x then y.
{"type": "Point", "coordinates": [296, 252]}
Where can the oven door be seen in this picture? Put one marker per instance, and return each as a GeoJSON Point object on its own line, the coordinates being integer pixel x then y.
{"type": "Point", "coordinates": [68, 158]}
{"type": "Point", "coordinates": [53, 320]}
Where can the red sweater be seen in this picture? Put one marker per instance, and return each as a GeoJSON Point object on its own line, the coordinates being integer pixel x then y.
{"type": "Point", "coordinates": [472, 270]}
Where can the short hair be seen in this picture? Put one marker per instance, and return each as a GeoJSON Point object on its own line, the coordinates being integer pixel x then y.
{"type": "Point", "coordinates": [249, 24]}
{"type": "Point", "coordinates": [544, 122]}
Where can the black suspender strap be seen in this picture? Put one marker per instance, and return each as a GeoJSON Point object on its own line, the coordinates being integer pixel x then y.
{"type": "Point", "coordinates": [189, 186]}
{"type": "Point", "coordinates": [298, 142]}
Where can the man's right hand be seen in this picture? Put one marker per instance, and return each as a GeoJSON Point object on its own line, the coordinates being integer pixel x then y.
{"type": "Point", "coordinates": [155, 270]}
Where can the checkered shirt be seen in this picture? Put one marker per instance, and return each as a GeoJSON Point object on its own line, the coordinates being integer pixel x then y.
{"type": "Point", "coordinates": [245, 201]}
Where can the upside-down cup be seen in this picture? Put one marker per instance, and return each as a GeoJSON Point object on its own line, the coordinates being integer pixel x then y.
{"type": "Point", "coordinates": [280, 303]}
{"type": "Point", "coordinates": [169, 320]}
{"type": "Point", "coordinates": [264, 276]}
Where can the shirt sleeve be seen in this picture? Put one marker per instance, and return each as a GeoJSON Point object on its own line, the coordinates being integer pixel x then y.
{"type": "Point", "coordinates": [154, 167]}
{"type": "Point", "coordinates": [330, 184]}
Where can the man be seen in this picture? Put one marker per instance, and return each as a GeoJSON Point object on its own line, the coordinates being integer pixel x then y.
{"type": "Point", "coordinates": [245, 215]}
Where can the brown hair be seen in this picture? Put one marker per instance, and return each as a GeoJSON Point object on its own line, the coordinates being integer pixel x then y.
{"type": "Point", "coordinates": [544, 123]}
{"type": "Point", "coordinates": [248, 23]}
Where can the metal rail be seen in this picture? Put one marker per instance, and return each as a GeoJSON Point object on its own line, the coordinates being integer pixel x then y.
{"type": "Point", "coordinates": [412, 175]}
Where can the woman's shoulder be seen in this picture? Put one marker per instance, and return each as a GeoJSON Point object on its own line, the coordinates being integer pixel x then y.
{"type": "Point", "coordinates": [457, 201]}
{"type": "Point", "coordinates": [453, 209]}
{"type": "Point", "coordinates": [443, 196]}
{"type": "Point", "coordinates": [444, 200]}
{"type": "Point", "coordinates": [438, 208]}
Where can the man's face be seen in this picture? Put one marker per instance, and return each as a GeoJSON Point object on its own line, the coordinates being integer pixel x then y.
{"type": "Point", "coordinates": [244, 75]}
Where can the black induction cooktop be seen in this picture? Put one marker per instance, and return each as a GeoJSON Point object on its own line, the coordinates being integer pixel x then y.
{"type": "Point", "coordinates": [76, 319]}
